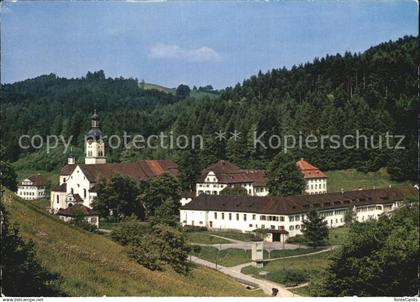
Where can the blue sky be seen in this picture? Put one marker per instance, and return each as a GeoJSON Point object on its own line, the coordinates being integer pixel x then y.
{"type": "Point", "coordinates": [197, 43]}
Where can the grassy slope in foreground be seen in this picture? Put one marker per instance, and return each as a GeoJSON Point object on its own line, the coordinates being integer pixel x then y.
{"type": "Point", "coordinates": [92, 265]}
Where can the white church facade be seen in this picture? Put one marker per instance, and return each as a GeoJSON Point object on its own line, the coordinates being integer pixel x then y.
{"type": "Point", "coordinates": [78, 182]}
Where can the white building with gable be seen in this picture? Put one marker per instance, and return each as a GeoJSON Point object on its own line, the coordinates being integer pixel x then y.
{"type": "Point", "coordinates": [33, 187]}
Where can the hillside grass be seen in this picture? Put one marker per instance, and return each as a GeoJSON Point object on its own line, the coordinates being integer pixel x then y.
{"type": "Point", "coordinates": [351, 179]}
{"type": "Point", "coordinates": [93, 265]}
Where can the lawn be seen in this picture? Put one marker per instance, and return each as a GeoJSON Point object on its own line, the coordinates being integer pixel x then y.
{"type": "Point", "coordinates": [233, 257]}
{"type": "Point", "coordinates": [352, 179]}
{"type": "Point", "coordinates": [204, 238]}
{"type": "Point", "coordinates": [233, 235]}
{"type": "Point", "coordinates": [338, 236]}
{"type": "Point", "coordinates": [292, 271]}
{"type": "Point", "coordinates": [228, 257]}
{"type": "Point", "coordinates": [93, 265]}
{"type": "Point", "coordinates": [295, 252]}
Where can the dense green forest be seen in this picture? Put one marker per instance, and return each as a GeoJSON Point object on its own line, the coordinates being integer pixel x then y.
{"type": "Point", "coordinates": [374, 92]}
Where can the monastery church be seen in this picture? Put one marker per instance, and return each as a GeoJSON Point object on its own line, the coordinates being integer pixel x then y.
{"type": "Point", "coordinates": [78, 182]}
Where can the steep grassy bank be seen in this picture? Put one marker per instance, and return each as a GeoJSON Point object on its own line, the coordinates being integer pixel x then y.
{"type": "Point", "coordinates": [92, 265]}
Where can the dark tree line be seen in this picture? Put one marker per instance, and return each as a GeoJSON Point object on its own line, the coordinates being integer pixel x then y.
{"type": "Point", "coordinates": [374, 92]}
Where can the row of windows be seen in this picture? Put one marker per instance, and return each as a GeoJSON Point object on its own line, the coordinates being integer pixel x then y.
{"type": "Point", "coordinates": [312, 187]}
{"type": "Point", "coordinates": [326, 214]}
{"type": "Point", "coordinates": [369, 208]}
{"type": "Point", "coordinates": [210, 186]}
{"type": "Point", "coordinates": [273, 227]}
{"type": "Point", "coordinates": [100, 153]}
{"type": "Point", "coordinates": [30, 193]}
{"type": "Point", "coordinates": [296, 218]}
{"type": "Point", "coordinates": [295, 227]}
{"type": "Point", "coordinates": [245, 217]}
{"type": "Point", "coordinates": [317, 180]}
{"type": "Point", "coordinates": [271, 218]}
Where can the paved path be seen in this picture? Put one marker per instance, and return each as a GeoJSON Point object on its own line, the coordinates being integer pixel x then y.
{"type": "Point", "coordinates": [265, 285]}
{"type": "Point", "coordinates": [299, 286]}
{"type": "Point", "coordinates": [228, 239]}
{"type": "Point", "coordinates": [301, 255]}
{"type": "Point", "coordinates": [104, 231]}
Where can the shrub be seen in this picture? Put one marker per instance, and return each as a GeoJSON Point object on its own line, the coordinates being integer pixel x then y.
{"type": "Point", "coordinates": [130, 231]}
{"type": "Point", "coordinates": [298, 239]}
{"type": "Point", "coordinates": [289, 277]}
{"type": "Point", "coordinates": [163, 245]}
{"type": "Point", "coordinates": [192, 228]}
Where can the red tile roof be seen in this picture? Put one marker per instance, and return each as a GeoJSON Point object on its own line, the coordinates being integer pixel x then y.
{"type": "Point", "coordinates": [229, 173]}
{"type": "Point", "coordinates": [139, 170]}
{"type": "Point", "coordinates": [71, 211]}
{"type": "Point", "coordinates": [60, 188]}
{"type": "Point", "coordinates": [38, 180]}
{"type": "Point", "coordinates": [298, 204]}
{"type": "Point", "coordinates": [67, 169]}
{"type": "Point", "coordinates": [309, 171]}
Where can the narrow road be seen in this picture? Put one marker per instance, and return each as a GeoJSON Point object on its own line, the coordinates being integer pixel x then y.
{"type": "Point", "coordinates": [301, 255]}
{"type": "Point", "coordinates": [299, 286]}
{"type": "Point", "coordinates": [106, 231]}
{"type": "Point", "coordinates": [265, 285]}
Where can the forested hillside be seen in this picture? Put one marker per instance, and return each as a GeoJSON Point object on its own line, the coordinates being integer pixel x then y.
{"type": "Point", "coordinates": [374, 92]}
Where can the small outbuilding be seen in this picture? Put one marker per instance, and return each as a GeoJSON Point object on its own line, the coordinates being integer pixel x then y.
{"type": "Point", "coordinates": [68, 214]}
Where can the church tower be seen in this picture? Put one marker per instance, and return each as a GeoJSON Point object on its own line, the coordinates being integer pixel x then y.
{"type": "Point", "coordinates": [94, 145]}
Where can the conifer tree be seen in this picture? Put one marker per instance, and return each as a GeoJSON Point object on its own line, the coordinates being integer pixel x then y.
{"type": "Point", "coordinates": [315, 229]}
{"type": "Point", "coordinates": [283, 176]}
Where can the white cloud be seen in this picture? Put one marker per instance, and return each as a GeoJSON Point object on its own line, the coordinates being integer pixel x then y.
{"type": "Point", "coordinates": [166, 51]}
